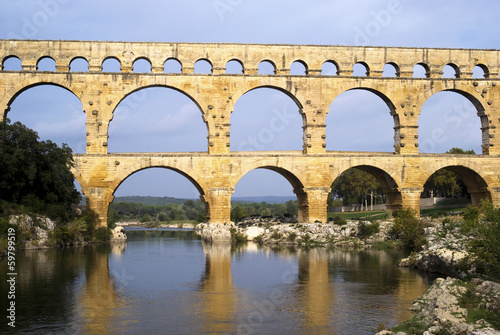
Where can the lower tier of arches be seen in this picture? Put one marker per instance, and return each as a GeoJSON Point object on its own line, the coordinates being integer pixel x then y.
{"type": "Point", "coordinates": [402, 177]}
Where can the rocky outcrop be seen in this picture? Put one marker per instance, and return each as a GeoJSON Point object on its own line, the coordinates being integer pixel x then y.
{"type": "Point", "coordinates": [439, 312]}
{"type": "Point", "coordinates": [443, 254]}
{"type": "Point", "coordinates": [212, 232]}
{"type": "Point", "coordinates": [117, 234]}
{"type": "Point", "coordinates": [332, 234]}
{"type": "Point", "coordinates": [38, 227]}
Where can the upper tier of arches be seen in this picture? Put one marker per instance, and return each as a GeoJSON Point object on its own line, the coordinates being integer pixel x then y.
{"type": "Point", "coordinates": [285, 59]}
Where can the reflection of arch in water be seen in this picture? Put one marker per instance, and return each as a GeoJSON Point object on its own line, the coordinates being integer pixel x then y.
{"type": "Point", "coordinates": [315, 291]}
{"type": "Point", "coordinates": [219, 298]}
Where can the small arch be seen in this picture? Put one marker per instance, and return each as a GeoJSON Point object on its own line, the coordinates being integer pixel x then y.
{"type": "Point", "coordinates": [390, 70]}
{"type": "Point", "coordinates": [298, 68]}
{"type": "Point", "coordinates": [234, 66]}
{"type": "Point", "coordinates": [480, 71]}
{"type": "Point", "coordinates": [203, 66]}
{"type": "Point", "coordinates": [267, 67]}
{"type": "Point", "coordinates": [421, 70]}
{"type": "Point", "coordinates": [79, 64]}
{"type": "Point", "coordinates": [141, 65]}
{"type": "Point", "coordinates": [451, 71]}
{"type": "Point", "coordinates": [111, 64]}
{"type": "Point", "coordinates": [12, 63]}
{"type": "Point", "coordinates": [172, 65]}
{"type": "Point", "coordinates": [330, 68]}
{"type": "Point", "coordinates": [360, 69]}
{"type": "Point", "coordinates": [46, 63]}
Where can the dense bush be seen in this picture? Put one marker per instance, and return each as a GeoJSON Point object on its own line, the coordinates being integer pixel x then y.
{"type": "Point", "coordinates": [485, 246]}
{"type": "Point", "coordinates": [409, 228]}
{"type": "Point", "coordinates": [366, 230]}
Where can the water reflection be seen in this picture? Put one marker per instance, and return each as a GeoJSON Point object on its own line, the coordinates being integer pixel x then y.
{"type": "Point", "coordinates": [315, 293]}
{"type": "Point", "coordinates": [218, 302]}
{"type": "Point", "coordinates": [98, 302]}
{"type": "Point", "coordinates": [152, 284]}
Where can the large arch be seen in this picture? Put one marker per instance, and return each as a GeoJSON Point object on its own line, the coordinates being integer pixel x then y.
{"type": "Point", "coordinates": [262, 119]}
{"type": "Point", "coordinates": [135, 170]}
{"type": "Point", "coordinates": [53, 111]}
{"type": "Point", "coordinates": [359, 111]}
{"type": "Point", "coordinates": [289, 175]}
{"type": "Point", "coordinates": [458, 110]}
{"type": "Point", "coordinates": [388, 184]}
{"type": "Point", "coordinates": [476, 184]}
{"type": "Point", "coordinates": [170, 124]}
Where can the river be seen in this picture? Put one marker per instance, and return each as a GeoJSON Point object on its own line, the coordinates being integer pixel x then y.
{"type": "Point", "coordinates": [170, 282]}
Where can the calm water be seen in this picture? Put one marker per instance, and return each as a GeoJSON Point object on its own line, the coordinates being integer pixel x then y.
{"type": "Point", "coordinates": [169, 282]}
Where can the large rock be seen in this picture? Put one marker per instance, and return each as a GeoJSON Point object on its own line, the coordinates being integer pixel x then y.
{"type": "Point", "coordinates": [252, 232]}
{"type": "Point", "coordinates": [117, 234]}
{"type": "Point", "coordinates": [212, 232]}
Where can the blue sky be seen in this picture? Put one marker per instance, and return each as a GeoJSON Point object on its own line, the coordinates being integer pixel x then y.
{"type": "Point", "coordinates": [168, 121]}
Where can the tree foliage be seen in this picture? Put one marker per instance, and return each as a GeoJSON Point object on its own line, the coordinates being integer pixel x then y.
{"type": "Point", "coordinates": [356, 186]}
{"type": "Point", "coordinates": [35, 174]}
{"type": "Point", "coordinates": [445, 183]}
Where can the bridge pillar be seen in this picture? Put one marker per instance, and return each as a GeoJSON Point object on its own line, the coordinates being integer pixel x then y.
{"type": "Point", "coordinates": [410, 198]}
{"type": "Point", "coordinates": [480, 193]}
{"type": "Point", "coordinates": [98, 199]}
{"type": "Point", "coordinates": [495, 196]}
{"type": "Point", "coordinates": [313, 204]}
{"type": "Point", "coordinates": [218, 201]}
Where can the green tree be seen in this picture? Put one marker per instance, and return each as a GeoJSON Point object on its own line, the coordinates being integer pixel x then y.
{"type": "Point", "coordinates": [355, 186]}
{"type": "Point", "coordinates": [291, 207]}
{"type": "Point", "coordinates": [446, 183]}
{"type": "Point", "coordinates": [36, 173]}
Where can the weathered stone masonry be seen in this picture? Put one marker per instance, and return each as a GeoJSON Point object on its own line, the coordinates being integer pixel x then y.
{"type": "Point", "coordinates": [311, 171]}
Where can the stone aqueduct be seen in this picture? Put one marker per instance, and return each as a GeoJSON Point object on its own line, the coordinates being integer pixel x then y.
{"type": "Point", "coordinates": [310, 171]}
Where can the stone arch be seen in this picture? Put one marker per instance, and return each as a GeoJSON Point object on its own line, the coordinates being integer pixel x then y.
{"type": "Point", "coordinates": [172, 62]}
{"type": "Point", "coordinates": [391, 69]}
{"type": "Point", "coordinates": [234, 66]}
{"type": "Point", "coordinates": [14, 92]}
{"type": "Point", "coordinates": [476, 102]}
{"type": "Point", "coordinates": [142, 65]}
{"type": "Point", "coordinates": [265, 64]}
{"type": "Point", "coordinates": [50, 62]}
{"type": "Point", "coordinates": [78, 62]}
{"type": "Point", "coordinates": [385, 100]}
{"type": "Point", "coordinates": [289, 174]}
{"type": "Point", "coordinates": [480, 71]}
{"type": "Point", "coordinates": [388, 183]}
{"type": "Point", "coordinates": [327, 70]}
{"type": "Point", "coordinates": [180, 100]}
{"type": "Point", "coordinates": [10, 58]}
{"type": "Point", "coordinates": [204, 63]}
{"type": "Point", "coordinates": [476, 184]}
{"type": "Point", "coordinates": [110, 60]}
{"type": "Point", "coordinates": [421, 70]}
{"type": "Point", "coordinates": [299, 67]}
{"type": "Point", "coordinates": [454, 68]}
{"type": "Point", "coordinates": [359, 67]}
{"type": "Point", "coordinates": [125, 173]}
{"type": "Point", "coordinates": [278, 121]}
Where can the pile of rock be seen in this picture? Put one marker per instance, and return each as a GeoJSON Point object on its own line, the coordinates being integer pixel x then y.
{"type": "Point", "coordinates": [443, 254]}
{"type": "Point", "coordinates": [439, 308]}
{"type": "Point", "coordinates": [39, 231]}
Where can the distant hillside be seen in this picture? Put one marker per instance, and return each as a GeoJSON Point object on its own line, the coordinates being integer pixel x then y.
{"type": "Point", "coordinates": [152, 201]}
{"type": "Point", "coordinates": [268, 199]}
{"type": "Point", "coordinates": [162, 201]}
